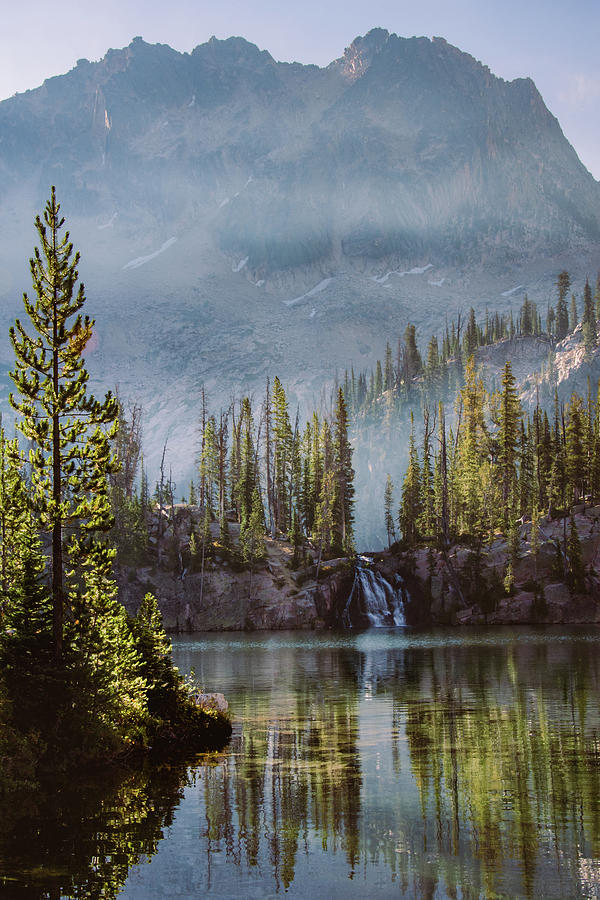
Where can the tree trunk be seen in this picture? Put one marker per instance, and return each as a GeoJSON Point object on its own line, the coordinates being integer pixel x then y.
{"type": "Point", "coordinates": [57, 550]}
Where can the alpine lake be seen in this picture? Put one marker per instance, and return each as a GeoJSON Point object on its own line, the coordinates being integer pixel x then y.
{"type": "Point", "coordinates": [388, 763]}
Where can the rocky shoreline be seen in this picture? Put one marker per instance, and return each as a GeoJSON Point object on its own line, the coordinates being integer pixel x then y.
{"type": "Point", "coordinates": [272, 597]}
{"type": "Point", "coordinates": [460, 588]}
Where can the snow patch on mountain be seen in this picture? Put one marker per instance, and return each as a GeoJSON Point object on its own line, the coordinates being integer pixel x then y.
{"type": "Point", "coordinates": [437, 283]}
{"type": "Point", "coordinates": [142, 260]}
{"type": "Point", "coordinates": [108, 224]}
{"type": "Point", "coordinates": [417, 270]}
{"type": "Point", "coordinates": [241, 265]}
{"type": "Point", "coordinates": [519, 287]}
{"type": "Point", "coordinates": [313, 291]}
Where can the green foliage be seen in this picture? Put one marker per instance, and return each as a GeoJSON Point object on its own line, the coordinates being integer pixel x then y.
{"type": "Point", "coordinates": [590, 334]}
{"type": "Point", "coordinates": [69, 430]}
{"type": "Point", "coordinates": [343, 506]}
{"type": "Point", "coordinates": [247, 478]}
{"type": "Point", "coordinates": [252, 533]}
{"type": "Point", "coordinates": [563, 284]}
{"type": "Point", "coordinates": [410, 507]}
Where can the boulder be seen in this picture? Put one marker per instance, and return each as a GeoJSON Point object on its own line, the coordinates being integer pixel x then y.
{"type": "Point", "coordinates": [212, 701]}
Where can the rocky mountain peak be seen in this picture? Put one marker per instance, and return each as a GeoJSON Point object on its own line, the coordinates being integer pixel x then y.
{"type": "Point", "coordinates": [359, 55]}
{"type": "Point", "coordinates": [287, 218]}
{"type": "Point", "coordinates": [234, 52]}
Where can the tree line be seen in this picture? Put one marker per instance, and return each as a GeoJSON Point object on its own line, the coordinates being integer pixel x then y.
{"type": "Point", "coordinates": [398, 381]}
{"type": "Point", "coordinates": [256, 467]}
{"type": "Point", "coordinates": [496, 466]}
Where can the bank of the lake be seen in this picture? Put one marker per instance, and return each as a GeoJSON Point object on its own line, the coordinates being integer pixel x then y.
{"type": "Point", "coordinates": [465, 585]}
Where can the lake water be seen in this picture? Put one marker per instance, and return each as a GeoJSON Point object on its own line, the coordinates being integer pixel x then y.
{"type": "Point", "coordinates": [450, 764]}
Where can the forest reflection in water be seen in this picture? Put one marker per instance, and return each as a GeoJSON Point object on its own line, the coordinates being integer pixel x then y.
{"type": "Point", "coordinates": [434, 765]}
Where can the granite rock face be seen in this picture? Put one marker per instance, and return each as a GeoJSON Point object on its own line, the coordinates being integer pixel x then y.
{"type": "Point", "coordinates": [459, 591]}
{"type": "Point", "coordinates": [272, 597]}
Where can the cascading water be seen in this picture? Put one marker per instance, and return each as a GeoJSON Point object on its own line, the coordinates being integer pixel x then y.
{"type": "Point", "coordinates": [373, 602]}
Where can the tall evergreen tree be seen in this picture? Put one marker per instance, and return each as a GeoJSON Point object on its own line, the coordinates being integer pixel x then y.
{"type": "Point", "coordinates": [573, 314]}
{"type": "Point", "coordinates": [508, 436]}
{"type": "Point", "coordinates": [410, 507]}
{"type": "Point", "coordinates": [575, 448]}
{"type": "Point", "coordinates": [247, 480]}
{"type": "Point", "coordinates": [412, 364]}
{"type": "Point", "coordinates": [563, 283]}
{"type": "Point", "coordinates": [590, 336]}
{"type": "Point", "coordinates": [388, 503]}
{"type": "Point", "coordinates": [389, 368]}
{"type": "Point", "coordinates": [282, 457]}
{"type": "Point", "coordinates": [69, 429]}
{"type": "Point", "coordinates": [344, 480]}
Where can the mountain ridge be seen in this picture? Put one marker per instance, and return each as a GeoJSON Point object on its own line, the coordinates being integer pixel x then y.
{"type": "Point", "coordinates": [239, 217]}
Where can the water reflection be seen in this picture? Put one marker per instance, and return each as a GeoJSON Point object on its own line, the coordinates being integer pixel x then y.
{"type": "Point", "coordinates": [375, 764]}
{"type": "Point", "coordinates": [419, 767]}
{"type": "Point", "coordinates": [79, 838]}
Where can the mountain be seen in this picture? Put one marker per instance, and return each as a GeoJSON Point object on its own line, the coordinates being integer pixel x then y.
{"type": "Point", "coordinates": [239, 217]}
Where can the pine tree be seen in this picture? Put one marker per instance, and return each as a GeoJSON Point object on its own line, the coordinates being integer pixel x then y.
{"type": "Point", "coordinates": [526, 470]}
{"type": "Point", "coordinates": [388, 502]}
{"type": "Point", "coordinates": [209, 464]}
{"type": "Point", "coordinates": [508, 435]}
{"type": "Point", "coordinates": [323, 524]}
{"type": "Point", "coordinates": [550, 321]}
{"type": "Point", "coordinates": [427, 518]}
{"type": "Point", "coordinates": [389, 369]}
{"type": "Point", "coordinates": [344, 481]}
{"type": "Point", "coordinates": [527, 317]}
{"type": "Point", "coordinates": [13, 518]}
{"type": "Point", "coordinates": [412, 362]}
{"type": "Point", "coordinates": [471, 335]}
{"type": "Point", "coordinates": [573, 314]}
{"type": "Point", "coordinates": [557, 484]}
{"type": "Point", "coordinates": [563, 284]}
{"type": "Point", "coordinates": [410, 507]}
{"type": "Point", "coordinates": [590, 336]}
{"type": "Point", "coordinates": [247, 481]}
{"type": "Point", "coordinates": [282, 457]}
{"type": "Point", "coordinates": [69, 429]}
{"type": "Point", "coordinates": [378, 382]}
{"type": "Point", "coordinates": [252, 533]}
{"type": "Point", "coordinates": [575, 448]}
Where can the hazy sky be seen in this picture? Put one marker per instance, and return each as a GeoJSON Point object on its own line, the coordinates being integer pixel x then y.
{"type": "Point", "coordinates": [556, 43]}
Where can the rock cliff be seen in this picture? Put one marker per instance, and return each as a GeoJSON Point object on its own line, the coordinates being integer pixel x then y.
{"type": "Point", "coordinates": [466, 588]}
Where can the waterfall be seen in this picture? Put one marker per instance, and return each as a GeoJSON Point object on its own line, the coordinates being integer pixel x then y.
{"type": "Point", "coordinates": [373, 602]}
